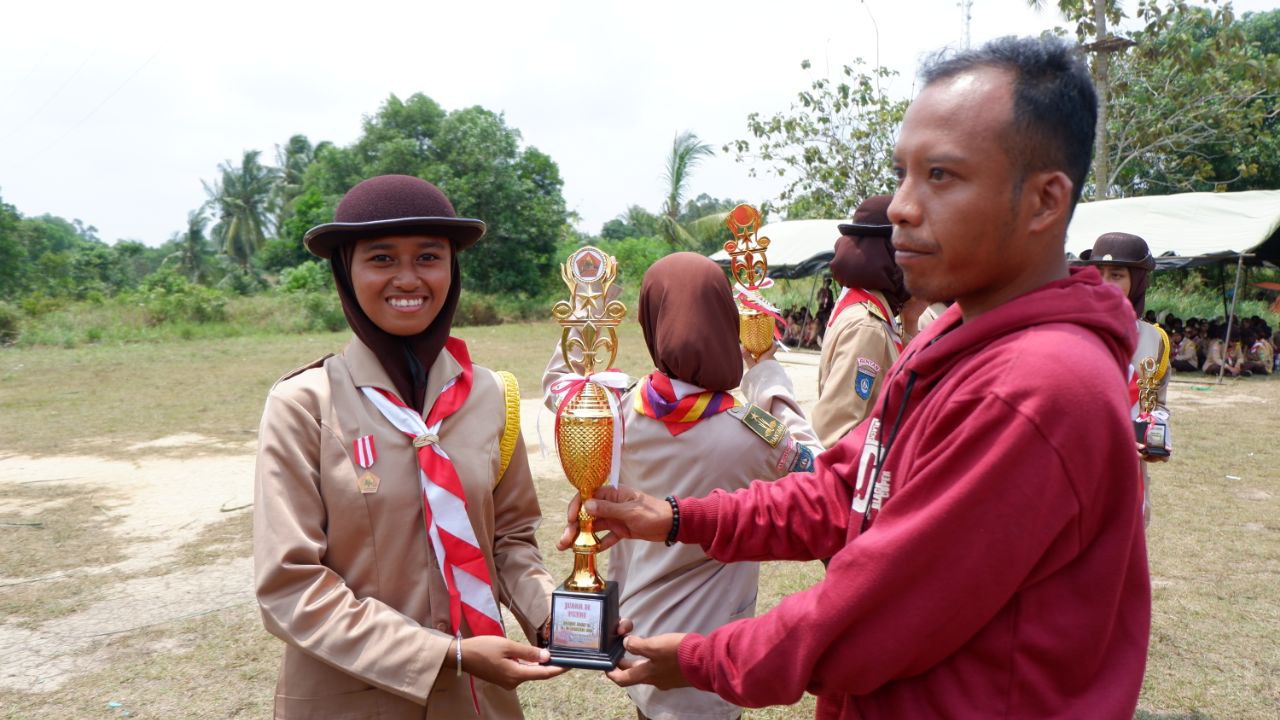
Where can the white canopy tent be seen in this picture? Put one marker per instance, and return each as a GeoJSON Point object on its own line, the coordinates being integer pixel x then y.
{"type": "Point", "coordinates": [1186, 229]}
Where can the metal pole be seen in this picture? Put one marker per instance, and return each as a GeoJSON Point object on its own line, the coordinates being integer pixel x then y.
{"type": "Point", "coordinates": [1235, 297]}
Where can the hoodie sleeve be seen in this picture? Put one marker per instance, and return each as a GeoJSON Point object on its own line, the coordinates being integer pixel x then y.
{"type": "Point", "coordinates": [801, 516]}
{"type": "Point", "coordinates": [942, 557]}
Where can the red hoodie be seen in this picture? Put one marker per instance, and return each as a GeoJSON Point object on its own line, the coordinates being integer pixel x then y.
{"type": "Point", "coordinates": [1005, 573]}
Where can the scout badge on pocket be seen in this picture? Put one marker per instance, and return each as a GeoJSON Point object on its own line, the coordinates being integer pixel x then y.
{"type": "Point", "coordinates": [365, 455]}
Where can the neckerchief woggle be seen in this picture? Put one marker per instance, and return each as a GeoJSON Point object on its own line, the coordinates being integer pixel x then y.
{"type": "Point", "coordinates": [854, 296]}
{"type": "Point", "coordinates": [444, 502]}
{"type": "Point", "coordinates": [679, 405]}
{"type": "Point", "coordinates": [614, 382]}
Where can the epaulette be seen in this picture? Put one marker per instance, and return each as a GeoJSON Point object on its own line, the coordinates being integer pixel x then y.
{"type": "Point", "coordinates": [769, 428]}
{"type": "Point", "coordinates": [875, 311]}
{"type": "Point", "coordinates": [304, 368]}
{"type": "Point", "coordinates": [511, 430]}
{"type": "Point", "coordinates": [1164, 353]}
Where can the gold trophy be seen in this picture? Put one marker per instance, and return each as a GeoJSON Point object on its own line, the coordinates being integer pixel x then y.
{"type": "Point", "coordinates": [1148, 429]}
{"type": "Point", "coordinates": [584, 609]}
{"type": "Point", "coordinates": [750, 271]}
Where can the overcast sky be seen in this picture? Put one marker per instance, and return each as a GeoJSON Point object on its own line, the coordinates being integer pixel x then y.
{"type": "Point", "coordinates": [113, 112]}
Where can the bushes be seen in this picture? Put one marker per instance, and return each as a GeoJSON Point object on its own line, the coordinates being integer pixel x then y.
{"type": "Point", "coordinates": [310, 276]}
{"type": "Point", "coordinates": [169, 297]}
{"type": "Point", "coordinates": [10, 323]}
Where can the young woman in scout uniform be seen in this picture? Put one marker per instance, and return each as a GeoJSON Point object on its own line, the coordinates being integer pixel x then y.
{"type": "Point", "coordinates": [863, 338]}
{"type": "Point", "coordinates": [686, 436]}
{"type": "Point", "coordinates": [1125, 262]}
{"type": "Point", "coordinates": [394, 509]}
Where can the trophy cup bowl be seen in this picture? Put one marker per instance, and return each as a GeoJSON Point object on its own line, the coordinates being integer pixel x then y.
{"type": "Point", "coordinates": [755, 330]}
{"type": "Point", "coordinates": [585, 443]}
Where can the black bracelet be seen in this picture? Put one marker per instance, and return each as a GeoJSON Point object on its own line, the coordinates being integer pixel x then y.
{"type": "Point", "coordinates": [675, 520]}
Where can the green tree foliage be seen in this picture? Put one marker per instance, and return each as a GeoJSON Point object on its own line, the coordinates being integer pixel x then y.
{"type": "Point", "coordinates": [1188, 101]}
{"type": "Point", "coordinates": [11, 252]}
{"type": "Point", "coordinates": [687, 150]}
{"type": "Point", "coordinates": [833, 146]}
{"type": "Point", "coordinates": [1193, 105]}
{"type": "Point", "coordinates": [478, 161]}
{"type": "Point", "coordinates": [190, 254]}
{"type": "Point", "coordinates": [293, 160]}
{"type": "Point", "coordinates": [242, 203]}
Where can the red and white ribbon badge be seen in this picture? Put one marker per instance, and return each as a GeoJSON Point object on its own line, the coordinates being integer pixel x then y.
{"type": "Point", "coordinates": [751, 299]}
{"type": "Point", "coordinates": [366, 454]}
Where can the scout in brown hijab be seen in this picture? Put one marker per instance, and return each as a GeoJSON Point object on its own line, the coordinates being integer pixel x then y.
{"type": "Point", "coordinates": [862, 338]}
{"type": "Point", "coordinates": [1125, 262]}
{"type": "Point", "coordinates": [687, 435]}
{"type": "Point", "coordinates": [394, 509]}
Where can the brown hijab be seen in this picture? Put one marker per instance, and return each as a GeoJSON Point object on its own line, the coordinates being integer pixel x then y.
{"type": "Point", "coordinates": [406, 359]}
{"type": "Point", "coordinates": [864, 254]}
{"type": "Point", "coordinates": [690, 322]}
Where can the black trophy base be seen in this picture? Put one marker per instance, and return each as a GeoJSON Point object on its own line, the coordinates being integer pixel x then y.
{"type": "Point", "coordinates": [1153, 435]}
{"type": "Point", "coordinates": [584, 628]}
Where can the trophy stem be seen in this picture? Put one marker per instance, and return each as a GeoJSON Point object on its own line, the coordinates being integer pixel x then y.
{"type": "Point", "coordinates": [585, 546]}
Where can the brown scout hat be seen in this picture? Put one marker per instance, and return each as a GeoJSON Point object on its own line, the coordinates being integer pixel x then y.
{"type": "Point", "coordinates": [1117, 248]}
{"type": "Point", "coordinates": [871, 219]}
{"type": "Point", "coordinates": [389, 204]}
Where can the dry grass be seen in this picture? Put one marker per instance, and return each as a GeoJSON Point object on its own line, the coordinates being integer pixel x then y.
{"type": "Point", "coordinates": [1214, 544]}
{"type": "Point", "coordinates": [56, 401]}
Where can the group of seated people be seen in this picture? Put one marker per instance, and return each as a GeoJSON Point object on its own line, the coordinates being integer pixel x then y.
{"type": "Point", "coordinates": [804, 329]}
{"type": "Point", "coordinates": [1197, 345]}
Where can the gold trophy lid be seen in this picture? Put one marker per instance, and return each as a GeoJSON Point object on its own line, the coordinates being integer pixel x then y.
{"type": "Point", "coordinates": [589, 273]}
{"type": "Point", "coordinates": [748, 264]}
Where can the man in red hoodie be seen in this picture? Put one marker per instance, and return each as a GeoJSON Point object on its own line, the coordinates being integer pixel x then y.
{"type": "Point", "coordinates": [988, 558]}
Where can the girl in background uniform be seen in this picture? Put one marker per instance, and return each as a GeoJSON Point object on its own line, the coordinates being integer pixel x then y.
{"type": "Point", "coordinates": [394, 509]}
{"type": "Point", "coordinates": [1125, 262]}
{"type": "Point", "coordinates": [686, 436]}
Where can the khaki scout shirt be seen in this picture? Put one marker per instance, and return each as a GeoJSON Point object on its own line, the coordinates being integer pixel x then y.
{"type": "Point", "coordinates": [348, 579]}
{"type": "Point", "coordinates": [857, 343]}
{"type": "Point", "coordinates": [679, 589]}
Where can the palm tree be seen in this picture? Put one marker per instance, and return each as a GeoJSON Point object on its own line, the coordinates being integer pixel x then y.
{"type": "Point", "coordinates": [293, 159]}
{"type": "Point", "coordinates": [192, 253]}
{"type": "Point", "coordinates": [686, 151]}
{"type": "Point", "coordinates": [242, 201]}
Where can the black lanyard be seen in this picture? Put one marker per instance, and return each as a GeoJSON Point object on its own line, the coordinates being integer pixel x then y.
{"type": "Point", "coordinates": [883, 451]}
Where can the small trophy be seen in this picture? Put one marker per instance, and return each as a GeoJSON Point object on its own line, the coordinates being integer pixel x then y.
{"type": "Point", "coordinates": [750, 270]}
{"type": "Point", "coordinates": [1148, 429]}
{"type": "Point", "coordinates": [584, 609]}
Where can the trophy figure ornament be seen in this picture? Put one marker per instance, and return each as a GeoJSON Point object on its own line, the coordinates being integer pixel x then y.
{"type": "Point", "coordinates": [584, 609]}
{"type": "Point", "coordinates": [749, 267]}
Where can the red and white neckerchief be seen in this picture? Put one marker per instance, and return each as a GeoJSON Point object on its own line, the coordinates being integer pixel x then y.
{"type": "Point", "coordinates": [444, 503]}
{"type": "Point", "coordinates": [855, 296]}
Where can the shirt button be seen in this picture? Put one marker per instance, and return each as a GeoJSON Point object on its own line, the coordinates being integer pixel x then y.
{"type": "Point", "coordinates": [442, 627]}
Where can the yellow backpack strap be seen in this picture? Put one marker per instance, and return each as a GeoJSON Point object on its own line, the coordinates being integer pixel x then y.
{"type": "Point", "coordinates": [1164, 353]}
{"type": "Point", "coordinates": [511, 431]}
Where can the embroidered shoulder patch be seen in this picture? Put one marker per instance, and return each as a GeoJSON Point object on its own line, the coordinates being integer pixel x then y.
{"type": "Point", "coordinates": [803, 461]}
{"type": "Point", "coordinates": [769, 428]}
{"type": "Point", "coordinates": [865, 379]}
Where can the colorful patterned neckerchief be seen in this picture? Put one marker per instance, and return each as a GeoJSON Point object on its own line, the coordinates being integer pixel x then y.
{"type": "Point", "coordinates": [677, 404]}
{"type": "Point", "coordinates": [444, 502]}
{"type": "Point", "coordinates": [854, 296]}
